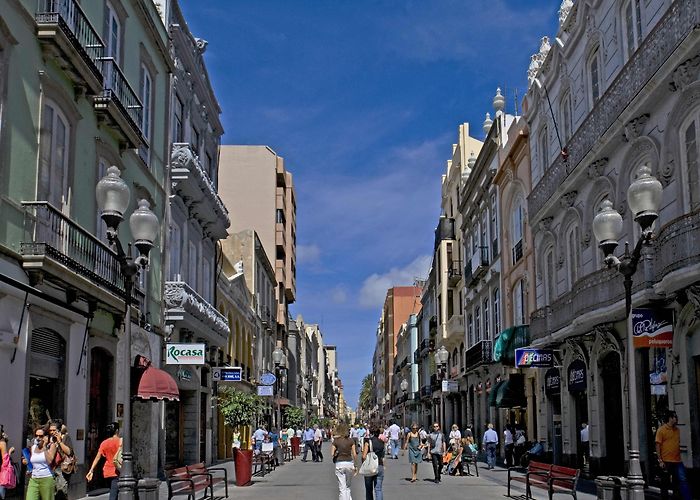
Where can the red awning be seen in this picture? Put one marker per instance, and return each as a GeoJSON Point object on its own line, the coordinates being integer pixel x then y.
{"type": "Point", "coordinates": [157, 384]}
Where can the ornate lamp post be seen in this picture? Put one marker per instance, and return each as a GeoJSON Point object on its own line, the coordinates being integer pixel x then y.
{"type": "Point", "coordinates": [404, 388]}
{"type": "Point", "coordinates": [113, 196]}
{"type": "Point", "coordinates": [644, 199]}
{"type": "Point", "coordinates": [277, 358]}
{"type": "Point", "coordinates": [441, 357]}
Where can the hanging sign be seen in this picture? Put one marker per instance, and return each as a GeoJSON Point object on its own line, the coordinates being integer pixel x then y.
{"type": "Point", "coordinates": [576, 376]}
{"type": "Point", "coordinates": [449, 386]}
{"type": "Point", "coordinates": [268, 379]}
{"type": "Point", "coordinates": [264, 390]}
{"type": "Point", "coordinates": [527, 357]}
{"type": "Point", "coordinates": [227, 374]}
{"type": "Point", "coordinates": [184, 354]}
{"type": "Point", "coordinates": [552, 382]}
{"type": "Point", "coordinates": [652, 327]}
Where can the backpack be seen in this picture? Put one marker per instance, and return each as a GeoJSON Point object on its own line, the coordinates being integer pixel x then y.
{"type": "Point", "coordinates": [370, 466]}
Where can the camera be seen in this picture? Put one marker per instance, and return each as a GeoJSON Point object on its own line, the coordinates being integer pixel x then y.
{"type": "Point", "coordinates": [53, 439]}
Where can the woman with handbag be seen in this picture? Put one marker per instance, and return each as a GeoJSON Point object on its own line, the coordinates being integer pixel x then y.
{"type": "Point", "coordinates": [344, 454]}
{"type": "Point", "coordinates": [373, 483]}
{"type": "Point", "coordinates": [64, 464]}
{"type": "Point", "coordinates": [8, 474]}
{"type": "Point", "coordinates": [43, 452]}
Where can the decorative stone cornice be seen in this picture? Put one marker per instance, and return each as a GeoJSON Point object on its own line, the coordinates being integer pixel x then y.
{"type": "Point", "coordinates": [685, 74]}
{"type": "Point", "coordinates": [676, 24]}
{"type": "Point", "coordinates": [181, 298]}
{"type": "Point", "coordinates": [596, 168]}
{"type": "Point", "coordinates": [635, 127]}
{"type": "Point", "coordinates": [196, 189]}
{"type": "Point", "coordinates": [546, 223]}
{"type": "Point", "coordinates": [564, 10]}
{"type": "Point", "coordinates": [567, 200]}
{"type": "Point", "coordinates": [537, 60]}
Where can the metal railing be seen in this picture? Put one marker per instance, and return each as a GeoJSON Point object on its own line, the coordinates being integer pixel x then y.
{"type": "Point", "coordinates": [50, 233]}
{"type": "Point", "coordinates": [454, 271]}
{"type": "Point", "coordinates": [72, 19]}
{"type": "Point", "coordinates": [117, 88]}
{"type": "Point", "coordinates": [478, 354]}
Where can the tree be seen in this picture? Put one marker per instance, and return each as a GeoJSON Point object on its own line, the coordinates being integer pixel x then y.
{"type": "Point", "coordinates": [294, 417]}
{"type": "Point", "coordinates": [366, 392]}
{"type": "Point", "coordinates": [239, 408]}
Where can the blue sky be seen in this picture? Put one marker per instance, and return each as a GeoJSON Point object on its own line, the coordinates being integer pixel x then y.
{"type": "Point", "coordinates": [363, 99]}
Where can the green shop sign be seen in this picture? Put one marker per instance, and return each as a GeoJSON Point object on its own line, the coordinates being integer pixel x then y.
{"type": "Point", "coordinates": [184, 354]}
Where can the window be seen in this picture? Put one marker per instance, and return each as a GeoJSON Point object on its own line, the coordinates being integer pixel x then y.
{"type": "Point", "coordinates": [689, 161]}
{"type": "Point", "coordinates": [177, 121]}
{"type": "Point", "coordinates": [517, 230]}
{"type": "Point", "coordinates": [496, 311]}
{"type": "Point", "coordinates": [450, 304]}
{"type": "Point", "coordinates": [544, 150]}
{"type": "Point", "coordinates": [573, 252]}
{"type": "Point", "coordinates": [485, 231]}
{"type": "Point", "coordinates": [461, 356]}
{"type": "Point", "coordinates": [494, 226]}
{"type": "Point", "coordinates": [519, 304]}
{"type": "Point", "coordinates": [279, 214]}
{"type": "Point", "coordinates": [485, 307]}
{"type": "Point", "coordinates": [113, 32]}
{"type": "Point", "coordinates": [146, 96]}
{"type": "Point", "coordinates": [175, 249]}
{"type": "Point", "coordinates": [470, 329]}
{"type": "Point", "coordinates": [477, 323]}
{"type": "Point", "coordinates": [206, 280]}
{"type": "Point", "coordinates": [210, 167]}
{"type": "Point", "coordinates": [549, 276]}
{"type": "Point", "coordinates": [632, 25]}
{"type": "Point", "coordinates": [566, 124]}
{"type": "Point", "coordinates": [594, 75]}
{"type": "Point", "coordinates": [53, 156]}
{"type": "Point", "coordinates": [192, 263]}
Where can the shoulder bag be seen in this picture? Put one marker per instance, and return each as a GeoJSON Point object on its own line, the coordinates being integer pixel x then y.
{"type": "Point", "coordinates": [370, 465]}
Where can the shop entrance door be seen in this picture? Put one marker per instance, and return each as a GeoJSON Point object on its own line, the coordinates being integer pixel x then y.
{"type": "Point", "coordinates": [614, 460]}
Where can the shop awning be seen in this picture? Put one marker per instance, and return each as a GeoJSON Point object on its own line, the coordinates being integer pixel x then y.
{"type": "Point", "coordinates": [508, 341]}
{"type": "Point", "coordinates": [158, 385]}
{"type": "Point", "coordinates": [494, 392]}
{"type": "Point", "coordinates": [511, 392]}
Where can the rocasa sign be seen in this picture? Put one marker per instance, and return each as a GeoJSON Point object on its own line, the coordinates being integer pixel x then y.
{"type": "Point", "coordinates": [184, 354]}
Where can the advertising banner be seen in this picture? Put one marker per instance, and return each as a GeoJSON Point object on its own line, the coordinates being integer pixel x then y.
{"type": "Point", "coordinates": [652, 327]}
{"type": "Point", "coordinates": [184, 354]}
{"type": "Point", "coordinates": [528, 357]}
{"type": "Point", "coordinates": [576, 376]}
{"type": "Point", "coordinates": [552, 382]}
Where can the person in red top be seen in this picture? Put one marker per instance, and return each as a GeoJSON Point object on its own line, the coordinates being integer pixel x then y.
{"type": "Point", "coordinates": [108, 448]}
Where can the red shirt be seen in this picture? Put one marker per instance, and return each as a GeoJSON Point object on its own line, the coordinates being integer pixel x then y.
{"type": "Point", "coordinates": [108, 449]}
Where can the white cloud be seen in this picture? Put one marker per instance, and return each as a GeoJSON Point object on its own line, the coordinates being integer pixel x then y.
{"type": "Point", "coordinates": [339, 295]}
{"type": "Point", "coordinates": [374, 287]}
{"type": "Point", "coordinates": [308, 254]}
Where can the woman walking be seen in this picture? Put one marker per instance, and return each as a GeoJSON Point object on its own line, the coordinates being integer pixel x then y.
{"type": "Point", "coordinates": [8, 479]}
{"type": "Point", "coordinates": [374, 483]}
{"type": "Point", "coordinates": [415, 451]}
{"type": "Point", "coordinates": [344, 454]}
{"type": "Point", "coordinates": [41, 484]}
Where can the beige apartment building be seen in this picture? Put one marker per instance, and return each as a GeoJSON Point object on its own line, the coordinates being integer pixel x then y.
{"type": "Point", "coordinates": [255, 185]}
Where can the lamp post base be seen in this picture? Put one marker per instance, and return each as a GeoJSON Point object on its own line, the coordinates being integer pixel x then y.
{"type": "Point", "coordinates": [127, 488]}
{"type": "Point", "coordinates": [635, 479]}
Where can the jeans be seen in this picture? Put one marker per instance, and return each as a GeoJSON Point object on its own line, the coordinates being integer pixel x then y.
{"type": "Point", "coordinates": [491, 455]}
{"type": "Point", "coordinates": [114, 488]}
{"type": "Point", "coordinates": [676, 471]}
{"type": "Point", "coordinates": [41, 488]}
{"type": "Point", "coordinates": [319, 453]}
{"type": "Point", "coordinates": [509, 454]}
{"type": "Point", "coordinates": [374, 483]}
{"type": "Point", "coordinates": [394, 447]}
{"type": "Point", "coordinates": [2, 492]}
{"type": "Point", "coordinates": [309, 446]}
{"type": "Point", "coordinates": [344, 472]}
{"type": "Point", "coordinates": [437, 465]}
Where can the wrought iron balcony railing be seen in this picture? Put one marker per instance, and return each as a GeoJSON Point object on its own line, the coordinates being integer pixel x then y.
{"type": "Point", "coordinates": [180, 298]}
{"type": "Point", "coordinates": [478, 354]}
{"type": "Point", "coordinates": [477, 266]}
{"type": "Point", "coordinates": [454, 272]}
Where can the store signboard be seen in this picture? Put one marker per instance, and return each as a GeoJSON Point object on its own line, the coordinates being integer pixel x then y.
{"type": "Point", "coordinates": [552, 382]}
{"type": "Point", "coordinates": [528, 357]}
{"type": "Point", "coordinates": [576, 376]}
{"type": "Point", "coordinates": [449, 386]}
{"type": "Point", "coordinates": [652, 327]}
{"type": "Point", "coordinates": [264, 390]}
{"type": "Point", "coordinates": [227, 374]}
{"type": "Point", "coordinates": [185, 354]}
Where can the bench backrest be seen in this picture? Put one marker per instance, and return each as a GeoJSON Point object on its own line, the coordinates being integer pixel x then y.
{"type": "Point", "coordinates": [539, 467]}
{"type": "Point", "coordinates": [179, 473]}
{"type": "Point", "coordinates": [200, 467]}
{"type": "Point", "coordinates": [558, 470]}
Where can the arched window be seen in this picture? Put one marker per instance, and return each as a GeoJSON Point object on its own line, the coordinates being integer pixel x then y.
{"type": "Point", "coordinates": [690, 163]}
{"type": "Point", "coordinates": [496, 311]}
{"type": "Point", "coordinates": [549, 276]}
{"type": "Point", "coordinates": [594, 76]}
{"type": "Point", "coordinates": [477, 323]}
{"type": "Point", "coordinates": [53, 156]}
{"type": "Point", "coordinates": [544, 149]}
{"type": "Point", "coordinates": [517, 230]}
{"type": "Point", "coordinates": [470, 329]}
{"type": "Point", "coordinates": [519, 303]}
{"type": "Point", "coordinates": [487, 319]}
{"type": "Point", "coordinates": [566, 124]}
{"type": "Point", "coordinates": [632, 25]}
{"type": "Point", "coordinates": [454, 358]}
{"type": "Point", "coordinates": [146, 96]}
{"type": "Point", "coordinates": [573, 252]}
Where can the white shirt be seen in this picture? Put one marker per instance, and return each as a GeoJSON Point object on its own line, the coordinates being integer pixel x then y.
{"type": "Point", "coordinates": [299, 433]}
{"type": "Point", "coordinates": [490, 436]}
{"type": "Point", "coordinates": [259, 434]}
{"type": "Point", "coordinates": [394, 431]}
{"type": "Point", "coordinates": [40, 467]}
{"type": "Point", "coordinates": [507, 437]}
{"type": "Point", "coordinates": [456, 435]}
{"type": "Point", "coordinates": [584, 435]}
{"type": "Point", "coordinates": [318, 436]}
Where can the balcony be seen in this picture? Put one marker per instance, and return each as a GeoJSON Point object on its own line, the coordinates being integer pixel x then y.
{"type": "Point", "coordinates": [454, 272]}
{"type": "Point", "coordinates": [197, 190]}
{"type": "Point", "coordinates": [59, 250]}
{"type": "Point", "coordinates": [435, 382]}
{"type": "Point", "coordinates": [478, 265]}
{"type": "Point", "coordinates": [455, 327]}
{"type": "Point", "coordinates": [679, 22]}
{"type": "Point", "coordinates": [677, 245]}
{"type": "Point", "coordinates": [480, 353]}
{"type": "Point", "coordinates": [184, 304]}
{"type": "Point", "coordinates": [65, 34]}
{"type": "Point", "coordinates": [119, 104]}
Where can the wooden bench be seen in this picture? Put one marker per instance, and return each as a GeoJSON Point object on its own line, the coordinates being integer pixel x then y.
{"type": "Point", "coordinates": [183, 483]}
{"type": "Point", "coordinates": [263, 463]}
{"type": "Point", "coordinates": [470, 459]}
{"type": "Point", "coordinates": [563, 480]}
{"type": "Point", "coordinates": [200, 470]}
{"type": "Point", "coordinates": [536, 474]}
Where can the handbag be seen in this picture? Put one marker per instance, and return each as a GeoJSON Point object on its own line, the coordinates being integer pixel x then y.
{"type": "Point", "coordinates": [118, 460]}
{"type": "Point", "coordinates": [8, 473]}
{"type": "Point", "coordinates": [69, 464]}
{"type": "Point", "coordinates": [370, 465]}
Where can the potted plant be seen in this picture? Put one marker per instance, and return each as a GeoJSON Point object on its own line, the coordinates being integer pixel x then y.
{"type": "Point", "coordinates": [240, 409]}
{"type": "Point", "coordinates": [294, 418]}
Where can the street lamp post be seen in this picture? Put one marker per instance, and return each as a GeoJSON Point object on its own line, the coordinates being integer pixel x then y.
{"type": "Point", "coordinates": [113, 196]}
{"type": "Point", "coordinates": [277, 358]}
{"type": "Point", "coordinates": [644, 199]}
{"type": "Point", "coordinates": [404, 388]}
{"type": "Point", "coordinates": [387, 400]}
{"type": "Point", "coordinates": [441, 357]}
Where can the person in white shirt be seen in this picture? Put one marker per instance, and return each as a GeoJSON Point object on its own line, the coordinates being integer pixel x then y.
{"type": "Point", "coordinates": [490, 443]}
{"type": "Point", "coordinates": [584, 443]}
{"type": "Point", "coordinates": [318, 442]}
{"type": "Point", "coordinates": [509, 445]}
{"type": "Point", "coordinates": [393, 434]}
{"type": "Point", "coordinates": [455, 435]}
{"type": "Point", "coordinates": [259, 436]}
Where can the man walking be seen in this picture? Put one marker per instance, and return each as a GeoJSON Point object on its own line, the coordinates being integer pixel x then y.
{"type": "Point", "coordinates": [394, 431]}
{"type": "Point", "coordinates": [585, 445]}
{"type": "Point", "coordinates": [259, 436]}
{"type": "Point", "coordinates": [309, 444]}
{"type": "Point", "coordinates": [318, 442]}
{"type": "Point", "coordinates": [436, 442]}
{"type": "Point", "coordinates": [509, 445]}
{"type": "Point", "coordinates": [490, 443]}
{"type": "Point", "coordinates": [668, 450]}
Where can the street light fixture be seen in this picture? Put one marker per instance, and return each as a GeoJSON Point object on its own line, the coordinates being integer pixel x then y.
{"type": "Point", "coordinates": [644, 200]}
{"type": "Point", "coordinates": [441, 357]}
{"type": "Point", "coordinates": [113, 195]}
{"type": "Point", "coordinates": [404, 388]}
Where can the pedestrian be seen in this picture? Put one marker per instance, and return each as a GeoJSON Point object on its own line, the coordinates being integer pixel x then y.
{"type": "Point", "coordinates": [259, 436]}
{"type": "Point", "coordinates": [436, 442]}
{"type": "Point", "coordinates": [424, 439]}
{"type": "Point", "coordinates": [668, 451]}
{"type": "Point", "coordinates": [415, 450]}
{"type": "Point", "coordinates": [509, 445]}
{"type": "Point", "coordinates": [108, 448]}
{"type": "Point", "coordinates": [520, 444]}
{"type": "Point", "coordinates": [585, 444]}
{"type": "Point", "coordinates": [8, 474]}
{"type": "Point", "coordinates": [318, 443]}
{"type": "Point", "coordinates": [43, 452]}
{"type": "Point", "coordinates": [394, 432]}
{"type": "Point", "coordinates": [64, 466]}
{"type": "Point", "coordinates": [277, 457]}
{"type": "Point", "coordinates": [490, 443]}
{"type": "Point", "coordinates": [373, 484]}
{"type": "Point", "coordinates": [309, 444]}
{"type": "Point", "coordinates": [455, 435]}
{"type": "Point", "coordinates": [344, 455]}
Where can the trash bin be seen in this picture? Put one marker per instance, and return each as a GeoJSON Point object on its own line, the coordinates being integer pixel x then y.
{"type": "Point", "coordinates": [611, 488]}
{"type": "Point", "coordinates": [296, 446]}
{"type": "Point", "coordinates": [148, 488]}
{"type": "Point", "coordinates": [243, 460]}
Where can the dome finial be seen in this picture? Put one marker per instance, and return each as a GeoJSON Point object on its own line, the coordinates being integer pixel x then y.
{"type": "Point", "coordinates": [487, 123]}
{"type": "Point", "coordinates": [499, 101]}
